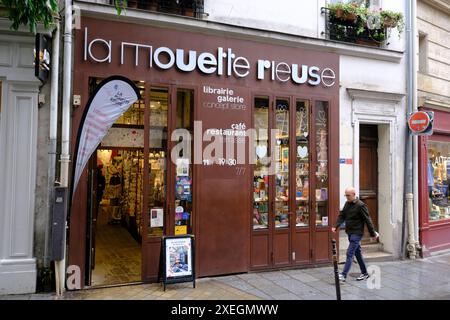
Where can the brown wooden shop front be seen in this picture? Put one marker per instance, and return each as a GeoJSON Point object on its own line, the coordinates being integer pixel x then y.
{"type": "Point", "coordinates": [275, 208]}
{"type": "Point", "coordinates": [434, 185]}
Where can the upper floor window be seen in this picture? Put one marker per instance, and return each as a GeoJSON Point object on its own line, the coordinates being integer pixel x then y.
{"type": "Point", "coordinates": [423, 53]}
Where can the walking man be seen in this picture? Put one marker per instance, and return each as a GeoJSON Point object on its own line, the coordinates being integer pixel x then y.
{"type": "Point", "coordinates": [355, 214]}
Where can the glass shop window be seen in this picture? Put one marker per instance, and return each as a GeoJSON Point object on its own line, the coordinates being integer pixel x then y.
{"type": "Point", "coordinates": [321, 176]}
{"type": "Point", "coordinates": [302, 156]}
{"type": "Point", "coordinates": [261, 172]}
{"type": "Point", "coordinates": [184, 175]}
{"type": "Point", "coordinates": [438, 178]}
{"type": "Point", "coordinates": [282, 164]}
{"type": "Point", "coordinates": [157, 158]}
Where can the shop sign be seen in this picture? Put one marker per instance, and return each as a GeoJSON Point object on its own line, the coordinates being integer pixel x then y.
{"type": "Point", "coordinates": [421, 122]}
{"type": "Point", "coordinates": [221, 62]}
{"type": "Point", "coordinates": [178, 259]}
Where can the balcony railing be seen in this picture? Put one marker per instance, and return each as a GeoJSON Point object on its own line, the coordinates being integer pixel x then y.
{"type": "Point", "coordinates": [352, 29]}
{"type": "Point", "coordinates": [189, 8]}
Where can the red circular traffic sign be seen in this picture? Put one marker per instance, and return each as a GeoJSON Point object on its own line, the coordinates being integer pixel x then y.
{"type": "Point", "coordinates": [419, 121]}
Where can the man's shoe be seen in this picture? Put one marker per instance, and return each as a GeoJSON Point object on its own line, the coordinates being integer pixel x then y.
{"type": "Point", "coordinates": [341, 277]}
{"type": "Point", "coordinates": [362, 276]}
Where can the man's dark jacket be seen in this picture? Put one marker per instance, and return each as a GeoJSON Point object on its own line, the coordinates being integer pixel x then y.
{"type": "Point", "coordinates": [355, 214]}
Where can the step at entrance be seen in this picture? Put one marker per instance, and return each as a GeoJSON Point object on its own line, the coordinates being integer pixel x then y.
{"type": "Point", "coordinates": [372, 252]}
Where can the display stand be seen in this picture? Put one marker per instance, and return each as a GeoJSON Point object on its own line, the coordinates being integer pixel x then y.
{"type": "Point", "coordinates": [178, 259]}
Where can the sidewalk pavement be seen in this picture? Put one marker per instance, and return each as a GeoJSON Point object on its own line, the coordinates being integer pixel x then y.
{"type": "Point", "coordinates": [405, 280]}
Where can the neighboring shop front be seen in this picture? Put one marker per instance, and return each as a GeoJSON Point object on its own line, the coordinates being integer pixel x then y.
{"type": "Point", "coordinates": [434, 180]}
{"type": "Point", "coordinates": [254, 200]}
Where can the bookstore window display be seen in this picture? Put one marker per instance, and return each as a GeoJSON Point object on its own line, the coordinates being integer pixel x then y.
{"type": "Point", "coordinates": [261, 171]}
{"type": "Point", "coordinates": [159, 98]}
{"type": "Point", "coordinates": [321, 175]}
{"type": "Point", "coordinates": [302, 163]}
{"type": "Point", "coordinates": [183, 165]}
{"type": "Point", "coordinates": [282, 164]}
{"type": "Point", "coordinates": [438, 180]}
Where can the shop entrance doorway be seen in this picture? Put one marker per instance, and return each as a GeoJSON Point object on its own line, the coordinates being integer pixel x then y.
{"type": "Point", "coordinates": [138, 190]}
{"type": "Point", "coordinates": [368, 172]}
{"type": "Point", "coordinates": [115, 200]}
{"type": "Point", "coordinates": [115, 224]}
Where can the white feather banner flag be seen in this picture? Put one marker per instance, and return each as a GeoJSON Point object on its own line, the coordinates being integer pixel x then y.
{"type": "Point", "coordinates": [111, 99]}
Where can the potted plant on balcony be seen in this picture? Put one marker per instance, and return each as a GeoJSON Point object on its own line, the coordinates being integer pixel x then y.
{"type": "Point", "coordinates": [188, 8]}
{"type": "Point", "coordinates": [344, 11]}
{"type": "Point", "coordinates": [392, 19]}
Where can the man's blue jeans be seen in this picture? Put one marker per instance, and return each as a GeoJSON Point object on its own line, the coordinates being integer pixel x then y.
{"type": "Point", "coordinates": [354, 249]}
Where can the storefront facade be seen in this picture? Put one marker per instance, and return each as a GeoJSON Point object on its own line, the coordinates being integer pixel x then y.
{"type": "Point", "coordinates": [434, 180]}
{"type": "Point", "coordinates": [433, 93]}
{"type": "Point", "coordinates": [254, 199]}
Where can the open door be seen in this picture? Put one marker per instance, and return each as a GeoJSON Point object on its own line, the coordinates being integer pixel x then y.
{"type": "Point", "coordinates": [115, 201]}
{"type": "Point", "coordinates": [368, 173]}
{"type": "Point", "coordinates": [169, 196]}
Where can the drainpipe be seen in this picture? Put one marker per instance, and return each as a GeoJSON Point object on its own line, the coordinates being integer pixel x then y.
{"type": "Point", "coordinates": [52, 139]}
{"type": "Point", "coordinates": [413, 216]}
{"type": "Point", "coordinates": [415, 141]}
{"type": "Point", "coordinates": [408, 205]}
{"type": "Point", "coordinates": [65, 134]}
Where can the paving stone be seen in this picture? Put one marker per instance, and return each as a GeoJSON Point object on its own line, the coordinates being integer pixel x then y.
{"type": "Point", "coordinates": [304, 277]}
{"type": "Point", "coordinates": [241, 285]}
{"type": "Point", "coordinates": [260, 282]}
{"type": "Point", "coordinates": [259, 294]}
{"type": "Point", "coordinates": [249, 276]}
{"type": "Point", "coordinates": [391, 294]}
{"type": "Point", "coordinates": [318, 297]}
{"type": "Point", "coordinates": [228, 278]}
{"type": "Point", "coordinates": [285, 296]}
{"type": "Point", "coordinates": [294, 286]}
{"type": "Point", "coordinates": [274, 275]}
{"type": "Point", "coordinates": [272, 289]}
{"type": "Point", "coordinates": [350, 297]}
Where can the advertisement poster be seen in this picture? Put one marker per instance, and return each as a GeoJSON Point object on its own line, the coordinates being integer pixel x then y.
{"type": "Point", "coordinates": [182, 167]}
{"type": "Point", "coordinates": [183, 188]}
{"type": "Point", "coordinates": [156, 218]}
{"type": "Point", "coordinates": [178, 253]}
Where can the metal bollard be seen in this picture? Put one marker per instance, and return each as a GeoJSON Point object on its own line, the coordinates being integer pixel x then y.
{"type": "Point", "coordinates": [336, 270]}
